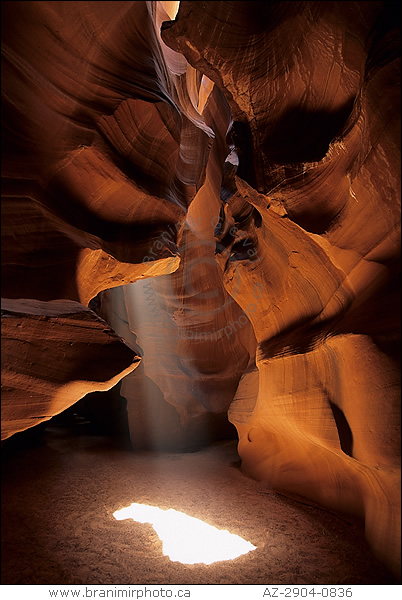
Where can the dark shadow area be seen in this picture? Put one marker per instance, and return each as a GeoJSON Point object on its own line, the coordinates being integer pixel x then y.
{"type": "Point", "coordinates": [385, 38]}
{"type": "Point", "coordinates": [302, 136]}
{"type": "Point", "coordinates": [242, 140]}
{"type": "Point", "coordinates": [344, 431]}
{"type": "Point", "coordinates": [103, 415]}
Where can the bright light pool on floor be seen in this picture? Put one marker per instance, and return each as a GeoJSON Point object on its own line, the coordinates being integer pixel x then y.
{"type": "Point", "coordinates": [186, 539]}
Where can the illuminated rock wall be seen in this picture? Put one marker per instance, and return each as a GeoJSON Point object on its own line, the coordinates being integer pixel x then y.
{"type": "Point", "coordinates": [240, 169]}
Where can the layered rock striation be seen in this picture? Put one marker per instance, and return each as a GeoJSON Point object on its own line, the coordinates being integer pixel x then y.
{"type": "Point", "coordinates": [311, 87]}
{"type": "Point", "coordinates": [54, 353]}
{"type": "Point", "coordinates": [222, 186]}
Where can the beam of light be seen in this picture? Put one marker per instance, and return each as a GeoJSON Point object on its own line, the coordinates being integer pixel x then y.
{"type": "Point", "coordinates": [186, 539]}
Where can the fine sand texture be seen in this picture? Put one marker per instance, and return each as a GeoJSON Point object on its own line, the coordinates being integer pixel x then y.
{"type": "Point", "coordinates": [59, 494]}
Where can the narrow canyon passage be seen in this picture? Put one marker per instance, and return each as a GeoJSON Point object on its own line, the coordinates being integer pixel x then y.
{"type": "Point", "coordinates": [201, 232]}
{"type": "Point", "coordinates": [59, 496]}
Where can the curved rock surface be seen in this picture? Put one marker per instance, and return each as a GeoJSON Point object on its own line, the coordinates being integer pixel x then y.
{"type": "Point", "coordinates": [311, 87]}
{"type": "Point", "coordinates": [239, 166]}
{"type": "Point", "coordinates": [53, 354]}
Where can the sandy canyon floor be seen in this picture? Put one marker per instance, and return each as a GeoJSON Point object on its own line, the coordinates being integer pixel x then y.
{"type": "Point", "coordinates": [60, 492]}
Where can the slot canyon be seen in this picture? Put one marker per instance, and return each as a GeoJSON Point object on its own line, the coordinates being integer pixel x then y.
{"type": "Point", "coordinates": [201, 288]}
